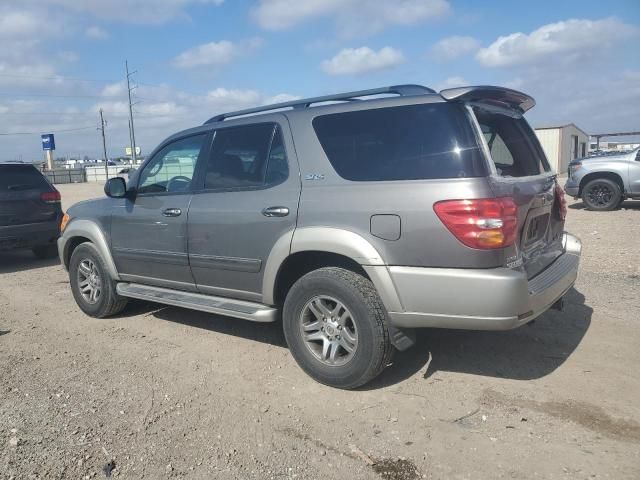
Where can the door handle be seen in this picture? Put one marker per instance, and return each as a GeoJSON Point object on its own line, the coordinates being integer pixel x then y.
{"type": "Point", "coordinates": [172, 212]}
{"type": "Point", "coordinates": [275, 212]}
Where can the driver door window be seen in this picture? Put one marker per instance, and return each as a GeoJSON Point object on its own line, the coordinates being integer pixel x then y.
{"type": "Point", "coordinates": [171, 169]}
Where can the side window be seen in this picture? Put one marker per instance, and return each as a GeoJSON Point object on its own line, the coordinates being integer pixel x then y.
{"type": "Point", "coordinates": [277, 166]}
{"type": "Point", "coordinates": [499, 152]}
{"type": "Point", "coordinates": [246, 156]}
{"type": "Point", "coordinates": [171, 169]}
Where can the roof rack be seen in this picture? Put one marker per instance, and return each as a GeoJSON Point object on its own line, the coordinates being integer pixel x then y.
{"type": "Point", "coordinates": [402, 90]}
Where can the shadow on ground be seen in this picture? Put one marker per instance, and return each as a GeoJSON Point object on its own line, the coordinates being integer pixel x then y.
{"type": "Point", "coordinates": [21, 260]}
{"type": "Point", "coordinates": [526, 353]}
{"type": "Point", "coordinates": [270, 333]}
{"type": "Point", "coordinates": [529, 352]}
{"type": "Point", "coordinates": [626, 205]}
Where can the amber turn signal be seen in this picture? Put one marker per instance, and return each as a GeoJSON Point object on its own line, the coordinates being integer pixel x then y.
{"type": "Point", "coordinates": [64, 221]}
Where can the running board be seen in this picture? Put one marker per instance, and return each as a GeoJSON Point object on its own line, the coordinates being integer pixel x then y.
{"type": "Point", "coordinates": [255, 312]}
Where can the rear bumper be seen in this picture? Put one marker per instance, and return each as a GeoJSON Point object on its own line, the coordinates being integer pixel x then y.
{"type": "Point", "coordinates": [494, 299]}
{"type": "Point", "coordinates": [28, 235]}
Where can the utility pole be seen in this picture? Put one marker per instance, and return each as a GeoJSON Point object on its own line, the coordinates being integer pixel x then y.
{"type": "Point", "coordinates": [132, 133]}
{"type": "Point", "coordinates": [104, 147]}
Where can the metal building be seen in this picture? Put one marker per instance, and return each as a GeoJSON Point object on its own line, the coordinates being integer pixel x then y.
{"type": "Point", "coordinates": [562, 144]}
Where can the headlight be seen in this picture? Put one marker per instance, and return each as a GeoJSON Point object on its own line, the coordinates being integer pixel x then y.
{"type": "Point", "coordinates": [573, 168]}
{"type": "Point", "coordinates": [64, 222]}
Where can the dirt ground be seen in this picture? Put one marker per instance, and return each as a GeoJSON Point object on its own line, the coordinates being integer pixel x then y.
{"type": "Point", "coordinates": [161, 392]}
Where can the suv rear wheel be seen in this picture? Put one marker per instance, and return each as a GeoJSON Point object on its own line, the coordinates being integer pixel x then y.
{"type": "Point", "coordinates": [601, 194]}
{"type": "Point", "coordinates": [336, 327]}
{"type": "Point", "coordinates": [92, 287]}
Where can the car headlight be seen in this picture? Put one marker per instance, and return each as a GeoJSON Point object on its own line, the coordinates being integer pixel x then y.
{"type": "Point", "coordinates": [573, 168]}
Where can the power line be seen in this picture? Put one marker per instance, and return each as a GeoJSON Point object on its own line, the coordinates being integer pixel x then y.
{"type": "Point", "coordinates": [49, 131]}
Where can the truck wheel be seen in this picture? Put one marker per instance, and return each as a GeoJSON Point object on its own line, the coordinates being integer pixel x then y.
{"type": "Point", "coordinates": [601, 195]}
{"type": "Point", "coordinates": [45, 251]}
{"type": "Point", "coordinates": [92, 287]}
{"type": "Point", "coordinates": [336, 327]}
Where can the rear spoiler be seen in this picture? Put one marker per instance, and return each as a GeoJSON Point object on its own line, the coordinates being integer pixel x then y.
{"type": "Point", "coordinates": [496, 96]}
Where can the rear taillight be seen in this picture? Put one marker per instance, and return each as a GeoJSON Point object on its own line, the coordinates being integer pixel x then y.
{"type": "Point", "coordinates": [485, 223]}
{"type": "Point", "coordinates": [50, 197]}
{"type": "Point", "coordinates": [562, 201]}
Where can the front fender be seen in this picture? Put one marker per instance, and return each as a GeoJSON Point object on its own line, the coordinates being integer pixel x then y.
{"type": "Point", "coordinates": [91, 231]}
{"type": "Point", "coordinates": [331, 240]}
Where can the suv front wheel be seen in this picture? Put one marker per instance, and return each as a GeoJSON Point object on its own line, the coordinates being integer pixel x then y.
{"type": "Point", "coordinates": [602, 195]}
{"type": "Point", "coordinates": [336, 328]}
{"type": "Point", "coordinates": [92, 287]}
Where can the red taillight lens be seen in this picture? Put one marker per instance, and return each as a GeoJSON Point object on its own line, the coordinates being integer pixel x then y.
{"type": "Point", "coordinates": [562, 201]}
{"type": "Point", "coordinates": [485, 223]}
{"type": "Point", "coordinates": [50, 197]}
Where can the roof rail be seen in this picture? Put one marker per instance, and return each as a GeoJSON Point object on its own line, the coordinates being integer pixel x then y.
{"type": "Point", "coordinates": [402, 90]}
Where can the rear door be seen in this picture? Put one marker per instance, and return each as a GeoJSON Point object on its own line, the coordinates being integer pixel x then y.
{"type": "Point", "coordinates": [521, 171]}
{"type": "Point", "coordinates": [250, 188]}
{"type": "Point", "coordinates": [21, 189]}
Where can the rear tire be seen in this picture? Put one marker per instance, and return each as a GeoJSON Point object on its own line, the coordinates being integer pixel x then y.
{"type": "Point", "coordinates": [601, 195]}
{"type": "Point", "coordinates": [45, 251]}
{"type": "Point", "coordinates": [92, 287]}
{"type": "Point", "coordinates": [355, 329]}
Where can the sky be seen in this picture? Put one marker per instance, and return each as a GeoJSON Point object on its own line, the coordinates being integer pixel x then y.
{"type": "Point", "coordinates": [63, 60]}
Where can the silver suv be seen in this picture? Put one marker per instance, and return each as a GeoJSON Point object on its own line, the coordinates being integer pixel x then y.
{"type": "Point", "coordinates": [604, 182]}
{"type": "Point", "coordinates": [355, 217]}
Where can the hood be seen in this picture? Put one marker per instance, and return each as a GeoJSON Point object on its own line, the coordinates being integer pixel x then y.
{"type": "Point", "coordinates": [605, 158]}
{"type": "Point", "coordinates": [88, 208]}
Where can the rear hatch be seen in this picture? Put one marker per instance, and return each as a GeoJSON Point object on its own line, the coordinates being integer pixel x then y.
{"type": "Point", "coordinates": [26, 197]}
{"type": "Point", "coordinates": [522, 172]}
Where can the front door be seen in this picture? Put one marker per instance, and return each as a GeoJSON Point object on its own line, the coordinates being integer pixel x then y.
{"type": "Point", "coordinates": [249, 199]}
{"type": "Point", "coordinates": [149, 228]}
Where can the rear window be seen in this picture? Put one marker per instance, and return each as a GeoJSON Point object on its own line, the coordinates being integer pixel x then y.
{"type": "Point", "coordinates": [21, 177]}
{"type": "Point", "coordinates": [413, 142]}
{"type": "Point", "coordinates": [514, 147]}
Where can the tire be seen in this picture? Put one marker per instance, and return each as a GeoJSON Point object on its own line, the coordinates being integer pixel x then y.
{"type": "Point", "coordinates": [361, 316]}
{"type": "Point", "coordinates": [601, 195]}
{"type": "Point", "coordinates": [87, 271]}
{"type": "Point", "coordinates": [45, 251]}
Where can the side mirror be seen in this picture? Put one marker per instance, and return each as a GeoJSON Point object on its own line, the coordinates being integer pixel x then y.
{"type": "Point", "coordinates": [115, 188]}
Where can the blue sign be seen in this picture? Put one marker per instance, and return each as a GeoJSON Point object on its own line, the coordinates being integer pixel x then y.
{"type": "Point", "coordinates": [48, 142]}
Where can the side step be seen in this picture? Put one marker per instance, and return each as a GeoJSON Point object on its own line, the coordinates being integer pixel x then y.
{"type": "Point", "coordinates": [255, 312]}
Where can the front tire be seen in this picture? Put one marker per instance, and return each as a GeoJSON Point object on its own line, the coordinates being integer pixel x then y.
{"type": "Point", "coordinates": [336, 327]}
{"type": "Point", "coordinates": [601, 195]}
{"type": "Point", "coordinates": [92, 287]}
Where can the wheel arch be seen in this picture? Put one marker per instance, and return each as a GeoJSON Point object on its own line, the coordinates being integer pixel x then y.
{"type": "Point", "coordinates": [308, 248]}
{"type": "Point", "coordinates": [601, 174]}
{"type": "Point", "coordinates": [82, 231]}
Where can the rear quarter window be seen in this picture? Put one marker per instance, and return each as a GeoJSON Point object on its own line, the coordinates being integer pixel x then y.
{"type": "Point", "coordinates": [414, 142]}
{"type": "Point", "coordinates": [21, 177]}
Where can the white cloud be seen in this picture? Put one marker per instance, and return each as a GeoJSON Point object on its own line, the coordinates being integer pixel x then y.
{"type": "Point", "coordinates": [96, 33]}
{"type": "Point", "coordinates": [353, 61]}
{"type": "Point", "coordinates": [214, 54]}
{"type": "Point", "coordinates": [453, 82]}
{"type": "Point", "coordinates": [351, 16]}
{"type": "Point", "coordinates": [453, 47]}
{"type": "Point", "coordinates": [573, 38]}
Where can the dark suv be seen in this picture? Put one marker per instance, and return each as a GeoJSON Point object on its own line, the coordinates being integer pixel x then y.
{"type": "Point", "coordinates": [356, 219]}
{"type": "Point", "coordinates": [30, 210]}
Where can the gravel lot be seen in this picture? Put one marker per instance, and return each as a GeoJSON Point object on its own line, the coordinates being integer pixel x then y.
{"type": "Point", "coordinates": [162, 392]}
